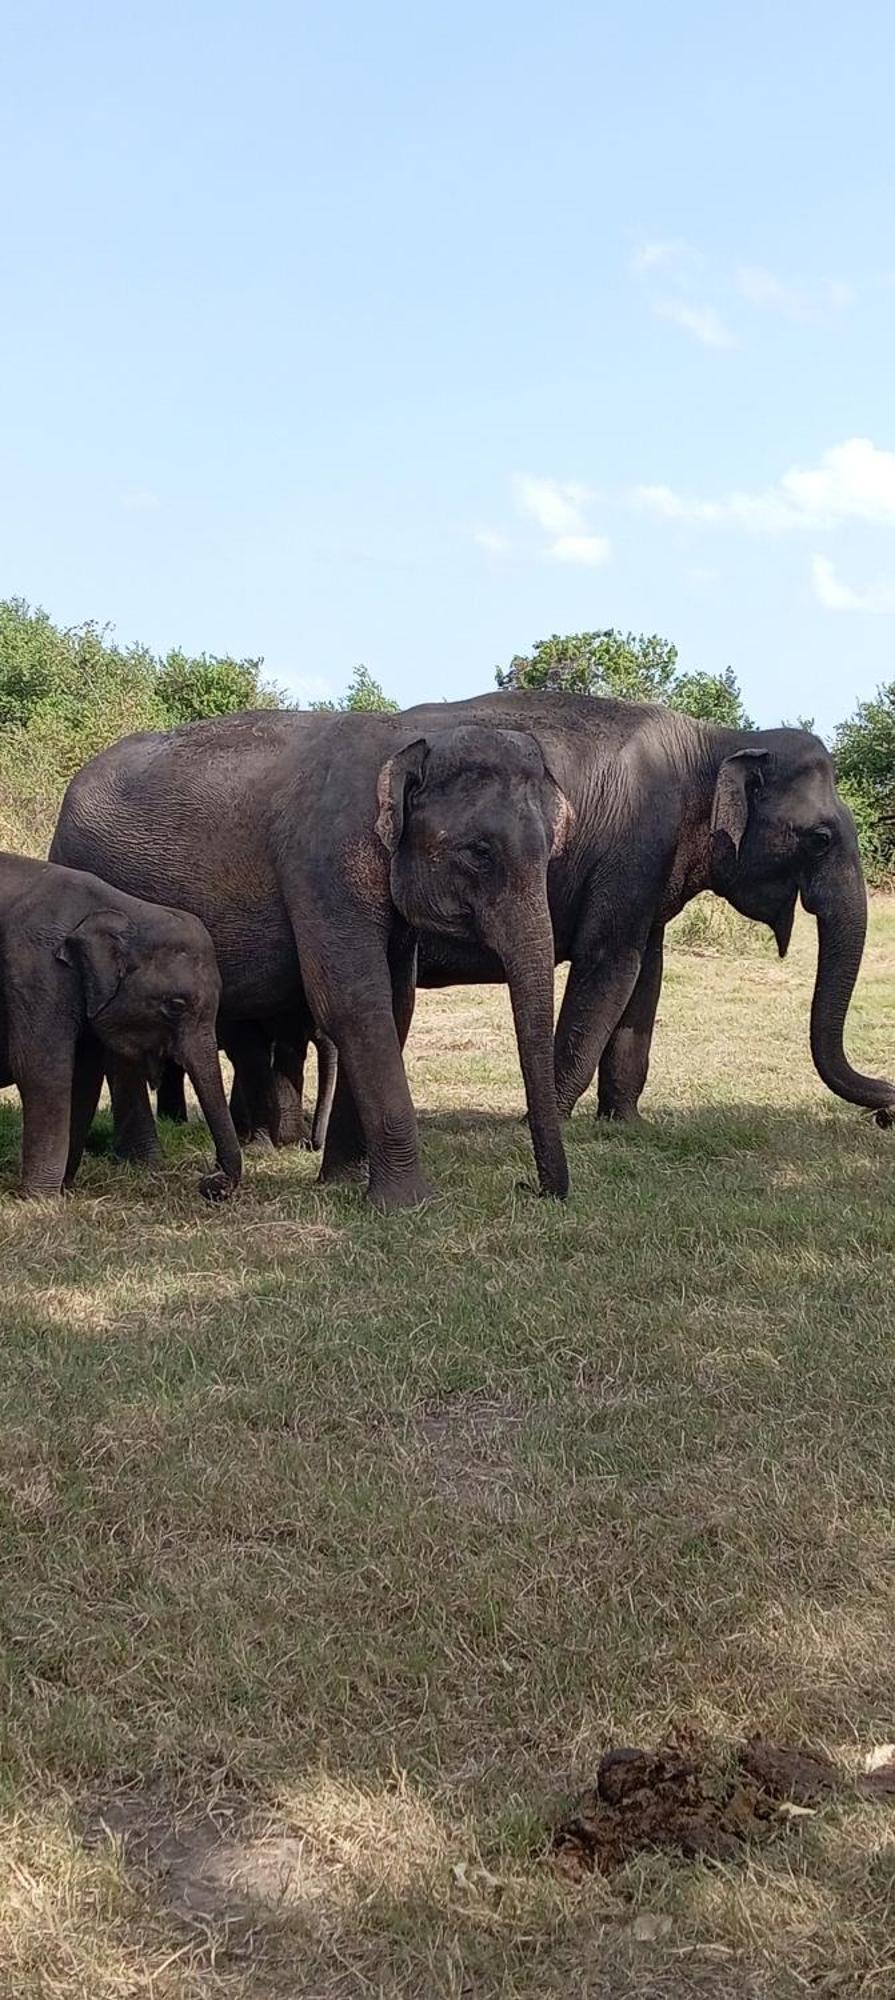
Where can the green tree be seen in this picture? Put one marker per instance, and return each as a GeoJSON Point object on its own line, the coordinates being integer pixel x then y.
{"type": "Point", "coordinates": [364, 694]}
{"type": "Point", "coordinates": [630, 667]}
{"type": "Point", "coordinates": [188, 689]}
{"type": "Point", "coordinates": [711, 698]}
{"type": "Point", "coordinates": [864, 754]}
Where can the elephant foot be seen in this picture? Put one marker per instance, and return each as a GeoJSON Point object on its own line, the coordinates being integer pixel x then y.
{"type": "Point", "coordinates": [138, 1156]}
{"type": "Point", "coordinates": [217, 1186]}
{"type": "Point", "coordinates": [259, 1141]}
{"type": "Point", "coordinates": [342, 1173]}
{"type": "Point", "coordinates": [620, 1114]}
{"type": "Point", "coordinates": [389, 1196]}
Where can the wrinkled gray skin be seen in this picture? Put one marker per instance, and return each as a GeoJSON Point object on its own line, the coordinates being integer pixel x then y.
{"type": "Point", "coordinates": [90, 977]}
{"type": "Point", "coordinates": [315, 848]}
{"type": "Point", "coordinates": [653, 808]}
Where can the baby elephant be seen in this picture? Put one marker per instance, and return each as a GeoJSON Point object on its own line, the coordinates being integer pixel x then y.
{"type": "Point", "coordinates": [84, 971]}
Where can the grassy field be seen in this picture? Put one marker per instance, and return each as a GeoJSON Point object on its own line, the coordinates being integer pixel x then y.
{"type": "Point", "coordinates": [336, 1550]}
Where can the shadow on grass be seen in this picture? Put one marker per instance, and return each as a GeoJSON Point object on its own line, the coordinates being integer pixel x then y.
{"type": "Point", "coordinates": [293, 1495]}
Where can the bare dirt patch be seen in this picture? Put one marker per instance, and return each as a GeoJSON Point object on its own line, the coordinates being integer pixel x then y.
{"type": "Point", "coordinates": [466, 1439]}
{"type": "Point", "coordinates": [226, 1866]}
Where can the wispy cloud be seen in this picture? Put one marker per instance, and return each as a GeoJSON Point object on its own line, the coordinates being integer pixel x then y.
{"type": "Point", "coordinates": [140, 500]}
{"type": "Point", "coordinates": [835, 595]}
{"type": "Point", "coordinates": [670, 256]}
{"type": "Point", "coordinates": [555, 504]}
{"type": "Point", "coordinates": [703, 322]}
{"type": "Point", "coordinates": [591, 550]}
{"type": "Point", "coordinates": [853, 481]}
{"type": "Point", "coordinates": [763, 289]}
{"type": "Point", "coordinates": [559, 510]}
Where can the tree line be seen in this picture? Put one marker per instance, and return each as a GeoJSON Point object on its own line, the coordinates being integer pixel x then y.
{"type": "Point", "coordinates": [66, 693]}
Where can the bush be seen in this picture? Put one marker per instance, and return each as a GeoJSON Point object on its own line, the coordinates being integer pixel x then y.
{"type": "Point", "coordinates": [66, 694]}
{"type": "Point", "coordinates": [630, 667]}
{"type": "Point", "coordinates": [864, 753]}
{"type": "Point", "coordinates": [364, 697]}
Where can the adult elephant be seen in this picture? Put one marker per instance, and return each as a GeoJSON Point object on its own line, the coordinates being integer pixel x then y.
{"type": "Point", "coordinates": [314, 849]}
{"type": "Point", "coordinates": [651, 807]}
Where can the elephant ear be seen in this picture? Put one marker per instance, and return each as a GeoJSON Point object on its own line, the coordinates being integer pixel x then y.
{"type": "Point", "coordinates": [530, 756]}
{"type": "Point", "coordinates": [739, 776]}
{"type": "Point", "coordinates": [396, 780]}
{"type": "Point", "coordinates": [98, 949]}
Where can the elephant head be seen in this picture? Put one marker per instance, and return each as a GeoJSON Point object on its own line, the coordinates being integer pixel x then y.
{"type": "Point", "coordinates": [779, 830]}
{"type": "Point", "coordinates": [150, 992]}
{"type": "Point", "coordinates": [470, 818]}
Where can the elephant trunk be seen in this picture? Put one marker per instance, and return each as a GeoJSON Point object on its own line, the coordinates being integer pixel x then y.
{"type": "Point", "coordinates": [526, 949]}
{"type": "Point", "coordinates": [836, 896]}
{"type": "Point", "coordinates": [199, 1057]}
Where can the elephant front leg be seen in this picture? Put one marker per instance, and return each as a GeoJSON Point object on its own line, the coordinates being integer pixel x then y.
{"type": "Point", "coordinates": [86, 1086]}
{"type": "Point", "coordinates": [624, 1065]}
{"type": "Point", "coordinates": [372, 1110]}
{"type": "Point", "coordinates": [135, 1137]}
{"type": "Point", "coordinates": [46, 1125]}
{"type": "Point", "coordinates": [595, 997]}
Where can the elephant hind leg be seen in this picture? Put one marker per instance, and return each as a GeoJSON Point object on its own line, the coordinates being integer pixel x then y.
{"type": "Point", "coordinates": [624, 1066]}
{"type": "Point", "coordinates": [170, 1101]}
{"type": "Point", "coordinates": [291, 1127]}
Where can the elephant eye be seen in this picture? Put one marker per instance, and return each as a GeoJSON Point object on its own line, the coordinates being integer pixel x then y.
{"type": "Point", "coordinates": [174, 1006]}
{"type": "Point", "coordinates": [818, 839]}
{"type": "Point", "coordinates": [479, 849]}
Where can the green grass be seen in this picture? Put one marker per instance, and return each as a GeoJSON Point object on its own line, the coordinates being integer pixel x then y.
{"type": "Point", "coordinates": [334, 1550]}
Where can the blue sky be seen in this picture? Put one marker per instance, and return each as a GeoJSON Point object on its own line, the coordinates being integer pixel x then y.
{"type": "Point", "coordinates": [411, 334]}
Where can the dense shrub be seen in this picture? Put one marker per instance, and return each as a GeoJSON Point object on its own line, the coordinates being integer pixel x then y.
{"type": "Point", "coordinates": [630, 667]}
{"type": "Point", "coordinates": [864, 751]}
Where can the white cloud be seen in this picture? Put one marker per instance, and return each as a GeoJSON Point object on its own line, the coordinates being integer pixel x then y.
{"type": "Point", "coordinates": [555, 504]}
{"type": "Point", "coordinates": [492, 541]}
{"type": "Point", "coordinates": [769, 293]}
{"type": "Point", "coordinates": [671, 256]}
{"type": "Point", "coordinates": [591, 550]}
{"type": "Point", "coordinates": [703, 322]}
{"type": "Point", "coordinates": [835, 595]}
{"type": "Point", "coordinates": [854, 481]}
{"type": "Point", "coordinates": [140, 500]}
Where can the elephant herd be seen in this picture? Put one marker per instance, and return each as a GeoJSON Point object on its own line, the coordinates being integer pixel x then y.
{"type": "Point", "coordinates": [259, 880]}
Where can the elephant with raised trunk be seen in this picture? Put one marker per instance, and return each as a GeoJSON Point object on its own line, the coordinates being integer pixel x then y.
{"type": "Point", "coordinates": [89, 977]}
{"type": "Point", "coordinates": [350, 836]}
{"type": "Point", "coordinates": [316, 848]}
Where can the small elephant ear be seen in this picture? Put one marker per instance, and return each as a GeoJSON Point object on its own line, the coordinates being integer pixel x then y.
{"type": "Point", "coordinates": [395, 780]}
{"type": "Point", "coordinates": [98, 949]}
{"type": "Point", "coordinates": [560, 816]}
{"type": "Point", "coordinates": [739, 776]}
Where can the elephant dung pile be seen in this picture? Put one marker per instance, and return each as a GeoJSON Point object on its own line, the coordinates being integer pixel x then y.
{"type": "Point", "coordinates": [666, 1800]}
